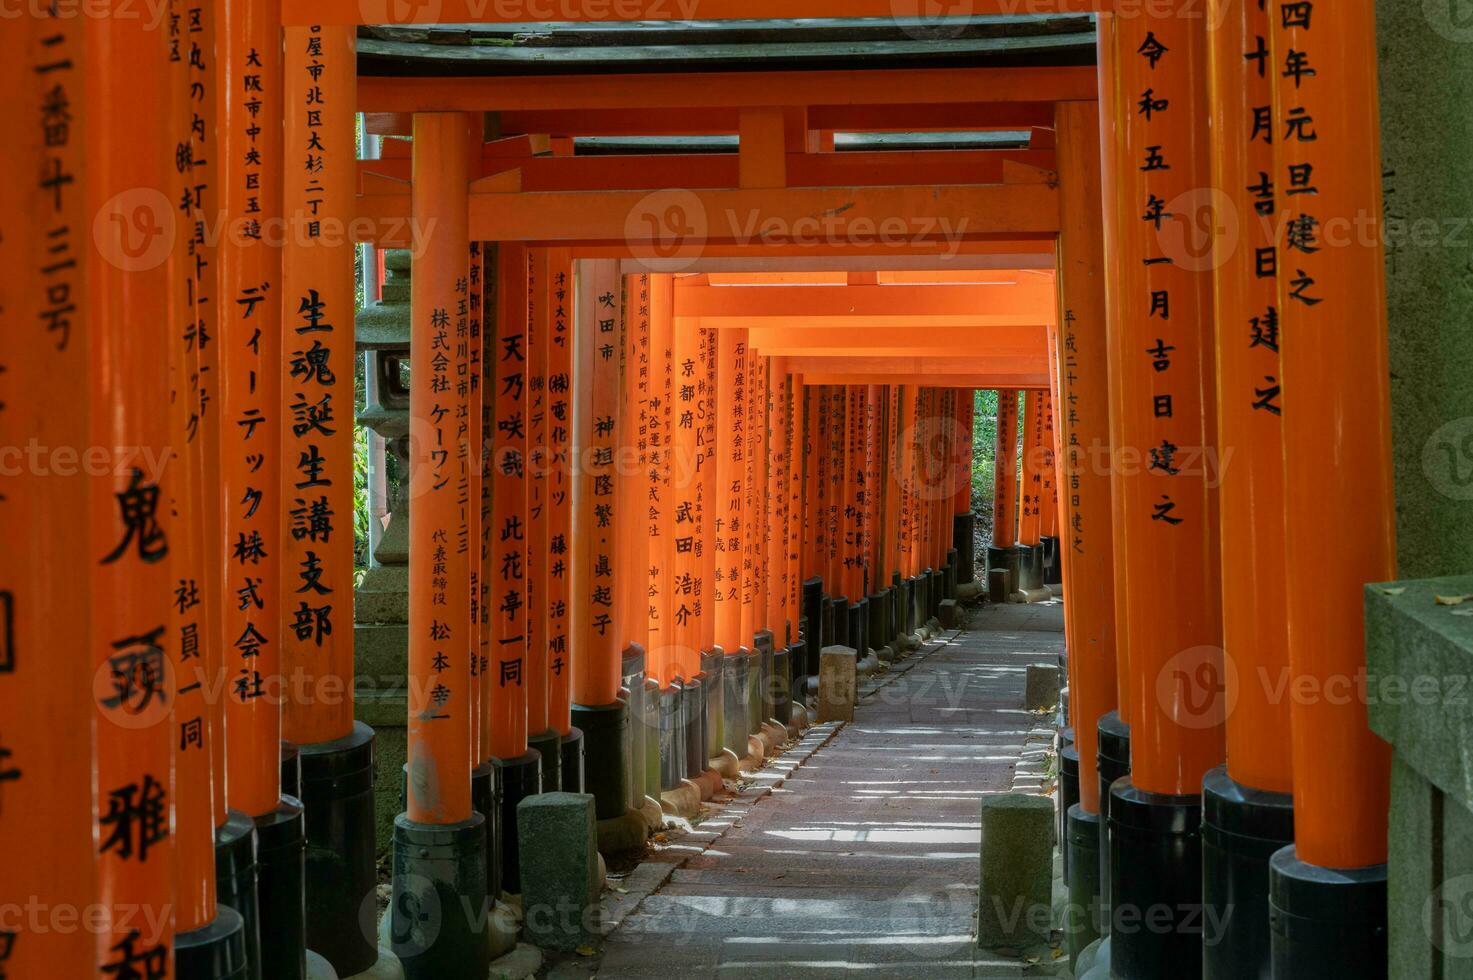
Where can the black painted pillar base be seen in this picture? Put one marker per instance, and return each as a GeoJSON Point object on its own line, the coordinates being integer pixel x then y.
{"type": "Point", "coordinates": [937, 589]}
{"type": "Point", "coordinates": [1082, 853]}
{"type": "Point", "coordinates": [877, 626]}
{"type": "Point", "coordinates": [235, 882]}
{"type": "Point", "coordinates": [281, 890]}
{"type": "Point", "coordinates": [1068, 794]}
{"type": "Point", "coordinates": [840, 633]}
{"type": "Point", "coordinates": [570, 747]}
{"type": "Point", "coordinates": [1242, 829]}
{"type": "Point", "coordinates": [783, 661]}
{"type": "Point", "coordinates": [342, 873]}
{"type": "Point", "coordinates": [215, 951]}
{"type": "Point", "coordinates": [1053, 568]}
{"type": "Point", "coordinates": [964, 542]}
{"type": "Point", "coordinates": [756, 657]}
{"type": "Point", "coordinates": [1112, 762]}
{"type": "Point", "coordinates": [693, 720]}
{"type": "Point", "coordinates": [713, 662]}
{"type": "Point", "coordinates": [813, 613]}
{"type": "Point", "coordinates": [1015, 561]}
{"type": "Point", "coordinates": [486, 800]}
{"type": "Point", "coordinates": [549, 746]}
{"type": "Point", "coordinates": [1156, 921]}
{"type": "Point", "coordinates": [291, 770]}
{"type": "Point", "coordinates": [606, 746]}
{"type": "Point", "coordinates": [948, 575]}
{"type": "Point", "coordinates": [648, 729]}
{"type": "Point", "coordinates": [765, 645]}
{"type": "Point", "coordinates": [1027, 576]}
{"type": "Point", "coordinates": [917, 602]}
{"type": "Point", "coordinates": [1327, 924]}
{"type": "Point", "coordinates": [672, 738]}
{"type": "Point", "coordinates": [734, 686]}
{"type": "Point", "coordinates": [858, 626]}
{"type": "Point", "coordinates": [520, 778]}
{"type": "Point", "coordinates": [439, 873]}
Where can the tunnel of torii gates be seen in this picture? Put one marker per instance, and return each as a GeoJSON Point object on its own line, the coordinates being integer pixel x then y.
{"type": "Point", "coordinates": [655, 466]}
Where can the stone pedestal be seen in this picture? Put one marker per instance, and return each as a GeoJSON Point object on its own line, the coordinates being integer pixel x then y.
{"type": "Point", "coordinates": [838, 684]}
{"type": "Point", "coordinates": [1015, 898]}
{"type": "Point", "coordinates": [559, 870]}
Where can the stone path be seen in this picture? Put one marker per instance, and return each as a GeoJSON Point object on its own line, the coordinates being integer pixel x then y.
{"type": "Point", "coordinates": [862, 860]}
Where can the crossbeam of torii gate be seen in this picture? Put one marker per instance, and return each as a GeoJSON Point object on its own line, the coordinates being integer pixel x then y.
{"type": "Point", "coordinates": [368, 12]}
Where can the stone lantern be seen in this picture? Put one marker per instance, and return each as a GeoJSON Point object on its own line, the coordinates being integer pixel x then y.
{"type": "Point", "coordinates": [381, 609]}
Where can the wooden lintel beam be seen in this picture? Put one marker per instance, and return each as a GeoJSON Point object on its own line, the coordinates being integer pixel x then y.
{"type": "Point", "coordinates": [791, 303]}
{"type": "Point", "coordinates": [903, 88]}
{"type": "Point", "coordinates": [672, 226]}
{"type": "Point", "coordinates": [711, 171]}
{"type": "Point", "coordinates": [400, 12]}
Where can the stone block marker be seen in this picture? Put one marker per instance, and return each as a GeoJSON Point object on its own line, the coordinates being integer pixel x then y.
{"type": "Point", "coordinates": [1042, 688]}
{"type": "Point", "coordinates": [1015, 897]}
{"type": "Point", "coordinates": [949, 615]}
{"type": "Point", "coordinates": [838, 683]}
{"type": "Point", "coordinates": [559, 865]}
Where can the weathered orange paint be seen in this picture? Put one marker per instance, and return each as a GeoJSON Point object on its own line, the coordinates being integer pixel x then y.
{"type": "Point", "coordinates": [1084, 430]}
{"type": "Point", "coordinates": [1005, 472]}
{"type": "Point", "coordinates": [1337, 420]}
{"type": "Point", "coordinates": [441, 638]}
{"type": "Point", "coordinates": [1170, 506]}
{"type": "Point", "coordinates": [251, 441]}
{"type": "Point", "coordinates": [46, 703]}
{"type": "Point", "coordinates": [317, 304]}
{"type": "Point", "coordinates": [1255, 627]}
{"type": "Point", "coordinates": [538, 557]}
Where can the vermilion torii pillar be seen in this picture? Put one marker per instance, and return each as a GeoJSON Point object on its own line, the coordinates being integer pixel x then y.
{"type": "Point", "coordinates": [439, 853]}
{"type": "Point", "coordinates": [963, 520]}
{"type": "Point", "coordinates": [1171, 510]}
{"type": "Point", "coordinates": [1002, 553]}
{"type": "Point", "coordinates": [731, 455]}
{"type": "Point", "coordinates": [1086, 529]}
{"type": "Point", "coordinates": [1113, 746]}
{"type": "Point", "coordinates": [1336, 420]}
{"type": "Point", "coordinates": [1030, 491]}
{"type": "Point", "coordinates": [539, 551]}
{"type": "Point", "coordinates": [599, 620]}
{"type": "Point", "coordinates": [254, 469]}
{"type": "Point", "coordinates": [317, 306]}
{"type": "Point", "coordinates": [47, 703]}
{"type": "Point", "coordinates": [205, 935]}
{"type": "Point", "coordinates": [1249, 809]}
{"type": "Point", "coordinates": [517, 768]}
{"type": "Point", "coordinates": [560, 501]}
{"type": "Point", "coordinates": [124, 310]}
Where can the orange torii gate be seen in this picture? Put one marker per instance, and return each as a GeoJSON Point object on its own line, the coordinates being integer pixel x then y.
{"type": "Point", "coordinates": [876, 409]}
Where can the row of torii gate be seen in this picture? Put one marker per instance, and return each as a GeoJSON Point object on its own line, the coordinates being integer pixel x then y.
{"type": "Point", "coordinates": [178, 558]}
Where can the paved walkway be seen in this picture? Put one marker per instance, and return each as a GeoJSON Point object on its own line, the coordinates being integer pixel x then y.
{"type": "Point", "coordinates": [863, 860]}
